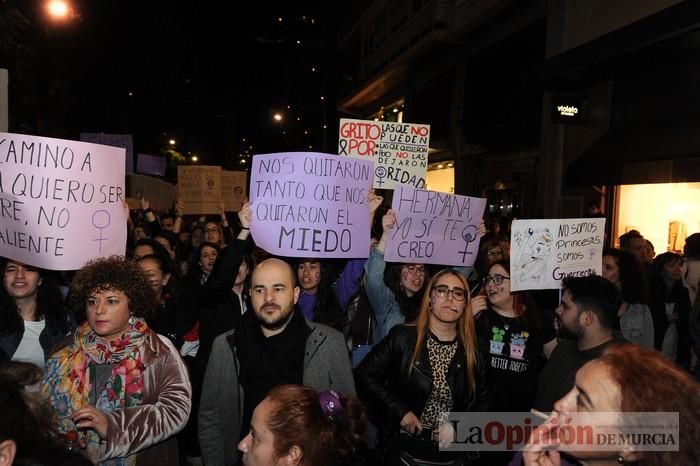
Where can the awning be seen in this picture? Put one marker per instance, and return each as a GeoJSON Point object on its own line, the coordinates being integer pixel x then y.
{"type": "Point", "coordinates": [638, 155]}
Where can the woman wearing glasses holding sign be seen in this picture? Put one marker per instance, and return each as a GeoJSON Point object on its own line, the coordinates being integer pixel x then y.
{"type": "Point", "coordinates": [520, 338]}
{"type": "Point", "coordinates": [424, 369]}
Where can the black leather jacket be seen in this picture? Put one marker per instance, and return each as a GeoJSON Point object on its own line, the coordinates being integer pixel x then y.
{"type": "Point", "coordinates": [386, 384]}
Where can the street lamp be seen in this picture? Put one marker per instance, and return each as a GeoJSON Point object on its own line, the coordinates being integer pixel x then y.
{"type": "Point", "coordinates": [58, 9]}
{"type": "Point", "coordinates": [194, 159]}
{"type": "Point", "coordinates": [277, 117]}
{"type": "Point", "coordinates": [171, 142]}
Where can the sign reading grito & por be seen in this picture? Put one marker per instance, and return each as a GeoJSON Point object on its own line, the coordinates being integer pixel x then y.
{"type": "Point", "coordinates": [61, 202]}
{"type": "Point", "coordinates": [311, 204]}
{"type": "Point", "coordinates": [399, 150]}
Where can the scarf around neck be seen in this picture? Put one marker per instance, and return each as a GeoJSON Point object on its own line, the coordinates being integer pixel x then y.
{"type": "Point", "coordinates": [70, 372]}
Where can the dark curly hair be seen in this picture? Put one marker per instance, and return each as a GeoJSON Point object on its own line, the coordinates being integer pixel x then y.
{"type": "Point", "coordinates": [49, 304]}
{"type": "Point", "coordinates": [114, 273]}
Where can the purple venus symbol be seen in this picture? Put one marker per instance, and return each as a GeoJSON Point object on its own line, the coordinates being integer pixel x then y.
{"type": "Point", "coordinates": [101, 220]}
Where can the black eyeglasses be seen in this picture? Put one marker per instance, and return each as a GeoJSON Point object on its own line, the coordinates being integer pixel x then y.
{"type": "Point", "coordinates": [443, 291]}
{"type": "Point", "coordinates": [496, 279]}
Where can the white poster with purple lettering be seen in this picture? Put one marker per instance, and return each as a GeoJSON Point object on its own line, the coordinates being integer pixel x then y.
{"type": "Point", "coordinates": [308, 204]}
{"type": "Point", "coordinates": [61, 202]}
{"type": "Point", "coordinates": [399, 150]}
{"type": "Point", "coordinates": [434, 228]}
{"type": "Point", "coordinates": [543, 252]}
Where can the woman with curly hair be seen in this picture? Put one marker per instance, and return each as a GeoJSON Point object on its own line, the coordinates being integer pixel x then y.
{"type": "Point", "coordinates": [121, 384]}
{"type": "Point", "coordinates": [33, 319]}
{"type": "Point", "coordinates": [295, 425]}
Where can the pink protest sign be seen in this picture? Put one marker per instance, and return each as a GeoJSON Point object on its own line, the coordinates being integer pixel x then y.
{"type": "Point", "coordinates": [61, 202]}
{"type": "Point", "coordinates": [307, 204]}
{"type": "Point", "coordinates": [434, 228]}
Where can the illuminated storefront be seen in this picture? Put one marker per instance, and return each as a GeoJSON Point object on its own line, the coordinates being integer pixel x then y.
{"type": "Point", "coordinates": [441, 177]}
{"type": "Point", "coordinates": [664, 213]}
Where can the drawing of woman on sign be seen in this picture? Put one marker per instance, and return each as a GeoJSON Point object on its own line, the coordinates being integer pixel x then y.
{"type": "Point", "coordinates": [533, 248]}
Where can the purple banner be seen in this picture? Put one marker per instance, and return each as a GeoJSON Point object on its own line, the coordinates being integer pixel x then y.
{"type": "Point", "coordinates": [150, 164]}
{"type": "Point", "coordinates": [307, 204]}
{"type": "Point", "coordinates": [434, 228]}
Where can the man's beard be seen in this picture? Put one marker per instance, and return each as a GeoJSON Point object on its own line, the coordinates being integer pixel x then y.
{"type": "Point", "coordinates": [278, 322]}
{"type": "Point", "coordinates": [568, 333]}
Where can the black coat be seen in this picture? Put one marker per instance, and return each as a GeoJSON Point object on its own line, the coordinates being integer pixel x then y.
{"type": "Point", "coordinates": [219, 307]}
{"type": "Point", "coordinates": [386, 383]}
{"type": "Point", "coordinates": [50, 338]}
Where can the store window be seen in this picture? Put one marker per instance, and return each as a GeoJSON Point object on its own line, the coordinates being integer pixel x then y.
{"type": "Point", "coordinates": [441, 177]}
{"type": "Point", "coordinates": [665, 214]}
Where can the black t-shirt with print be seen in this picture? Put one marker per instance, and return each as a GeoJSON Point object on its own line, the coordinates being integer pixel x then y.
{"type": "Point", "coordinates": [515, 356]}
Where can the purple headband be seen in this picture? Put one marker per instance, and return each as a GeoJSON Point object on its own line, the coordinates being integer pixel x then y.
{"type": "Point", "coordinates": [330, 403]}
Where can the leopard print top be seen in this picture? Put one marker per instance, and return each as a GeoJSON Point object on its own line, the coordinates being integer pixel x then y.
{"type": "Point", "coordinates": [440, 354]}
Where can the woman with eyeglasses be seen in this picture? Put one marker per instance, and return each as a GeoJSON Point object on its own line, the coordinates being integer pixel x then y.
{"type": "Point", "coordinates": [520, 338]}
{"type": "Point", "coordinates": [424, 369]}
{"type": "Point", "coordinates": [394, 294]}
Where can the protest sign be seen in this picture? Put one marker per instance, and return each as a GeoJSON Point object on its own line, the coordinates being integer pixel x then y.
{"type": "Point", "coordinates": [199, 188]}
{"type": "Point", "coordinates": [399, 150]}
{"type": "Point", "coordinates": [434, 228]}
{"type": "Point", "coordinates": [311, 205]}
{"type": "Point", "coordinates": [159, 194]}
{"type": "Point", "coordinates": [543, 252]}
{"type": "Point", "coordinates": [61, 202]}
{"type": "Point", "coordinates": [233, 189]}
{"type": "Point", "coordinates": [150, 164]}
{"type": "Point", "coordinates": [124, 141]}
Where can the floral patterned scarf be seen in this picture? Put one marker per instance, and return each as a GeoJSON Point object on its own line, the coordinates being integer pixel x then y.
{"type": "Point", "coordinates": [68, 384]}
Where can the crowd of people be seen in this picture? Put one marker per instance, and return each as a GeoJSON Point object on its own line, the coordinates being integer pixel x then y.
{"type": "Point", "coordinates": [199, 347]}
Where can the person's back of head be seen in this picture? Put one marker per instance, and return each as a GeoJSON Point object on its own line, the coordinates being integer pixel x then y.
{"type": "Point", "coordinates": [26, 422]}
{"type": "Point", "coordinates": [691, 249]}
{"type": "Point", "coordinates": [28, 435]}
{"type": "Point", "coordinates": [596, 294]}
{"type": "Point", "coordinates": [329, 427]}
{"type": "Point", "coordinates": [626, 239]}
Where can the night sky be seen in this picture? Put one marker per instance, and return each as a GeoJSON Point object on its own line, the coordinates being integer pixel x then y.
{"type": "Point", "coordinates": [207, 74]}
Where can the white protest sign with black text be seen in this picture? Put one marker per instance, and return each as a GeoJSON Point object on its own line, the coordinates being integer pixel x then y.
{"type": "Point", "coordinates": [543, 252]}
{"type": "Point", "coordinates": [61, 202]}
{"type": "Point", "coordinates": [434, 228]}
{"type": "Point", "coordinates": [399, 150]}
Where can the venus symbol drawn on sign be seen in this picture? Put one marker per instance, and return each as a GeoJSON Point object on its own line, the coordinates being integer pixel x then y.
{"type": "Point", "coordinates": [468, 235]}
{"type": "Point", "coordinates": [101, 220]}
{"type": "Point", "coordinates": [380, 172]}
